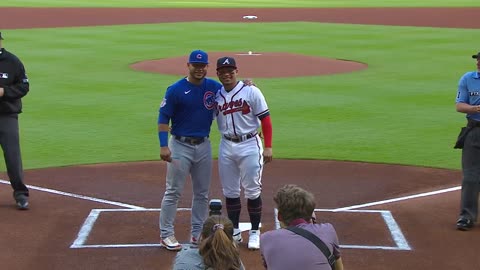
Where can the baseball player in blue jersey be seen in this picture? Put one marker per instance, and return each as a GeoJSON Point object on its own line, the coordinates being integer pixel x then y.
{"type": "Point", "coordinates": [468, 102]}
{"type": "Point", "coordinates": [188, 105]}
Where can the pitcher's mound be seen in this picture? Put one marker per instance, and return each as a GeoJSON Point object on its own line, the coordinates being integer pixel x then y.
{"type": "Point", "coordinates": [259, 65]}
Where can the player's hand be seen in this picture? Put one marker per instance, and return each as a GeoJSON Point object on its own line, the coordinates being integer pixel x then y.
{"type": "Point", "coordinates": [476, 108]}
{"type": "Point", "coordinates": [267, 155]}
{"type": "Point", "coordinates": [249, 82]}
{"type": "Point", "coordinates": [165, 154]}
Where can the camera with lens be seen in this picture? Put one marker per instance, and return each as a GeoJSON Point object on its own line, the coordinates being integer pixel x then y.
{"type": "Point", "coordinates": [215, 207]}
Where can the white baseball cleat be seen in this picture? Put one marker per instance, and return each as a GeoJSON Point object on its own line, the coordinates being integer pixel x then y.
{"type": "Point", "coordinates": [171, 243]}
{"type": "Point", "coordinates": [254, 239]}
{"type": "Point", "coordinates": [237, 235]}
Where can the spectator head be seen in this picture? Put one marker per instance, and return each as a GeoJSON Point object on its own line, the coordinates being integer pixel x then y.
{"type": "Point", "coordinates": [293, 202]}
{"type": "Point", "coordinates": [217, 247]}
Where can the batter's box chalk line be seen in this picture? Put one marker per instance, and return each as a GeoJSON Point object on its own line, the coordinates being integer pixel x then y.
{"type": "Point", "coordinates": [401, 242]}
{"type": "Point", "coordinates": [396, 233]}
{"type": "Point", "coordinates": [89, 224]}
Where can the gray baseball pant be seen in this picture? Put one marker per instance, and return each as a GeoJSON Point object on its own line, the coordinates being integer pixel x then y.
{"type": "Point", "coordinates": [196, 161]}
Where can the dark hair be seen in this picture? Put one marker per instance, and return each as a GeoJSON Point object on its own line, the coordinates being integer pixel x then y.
{"type": "Point", "coordinates": [293, 202]}
{"type": "Point", "coordinates": [217, 247]}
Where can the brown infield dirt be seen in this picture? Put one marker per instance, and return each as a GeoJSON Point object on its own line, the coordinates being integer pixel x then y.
{"type": "Point", "coordinates": [422, 234]}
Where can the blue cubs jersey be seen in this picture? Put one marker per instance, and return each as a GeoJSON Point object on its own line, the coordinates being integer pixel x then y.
{"type": "Point", "coordinates": [190, 107]}
{"type": "Point", "coordinates": [469, 92]}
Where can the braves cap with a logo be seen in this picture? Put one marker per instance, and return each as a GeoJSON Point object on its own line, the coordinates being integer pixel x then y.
{"type": "Point", "coordinates": [198, 56]}
{"type": "Point", "coordinates": [476, 56]}
{"type": "Point", "coordinates": [226, 62]}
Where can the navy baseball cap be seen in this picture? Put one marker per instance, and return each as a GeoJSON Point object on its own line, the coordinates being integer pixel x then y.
{"type": "Point", "coordinates": [476, 56]}
{"type": "Point", "coordinates": [198, 56]}
{"type": "Point", "coordinates": [226, 62]}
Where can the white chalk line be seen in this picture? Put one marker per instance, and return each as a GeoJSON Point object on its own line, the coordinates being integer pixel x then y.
{"type": "Point", "coordinates": [248, 54]}
{"type": "Point", "coordinates": [87, 227]}
{"type": "Point", "coordinates": [399, 199]}
{"type": "Point", "coordinates": [394, 229]}
{"type": "Point", "coordinates": [82, 197]}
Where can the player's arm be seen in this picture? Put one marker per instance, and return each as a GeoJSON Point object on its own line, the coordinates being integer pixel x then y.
{"type": "Point", "coordinates": [267, 132]}
{"type": "Point", "coordinates": [164, 115]}
{"type": "Point", "coordinates": [163, 130]}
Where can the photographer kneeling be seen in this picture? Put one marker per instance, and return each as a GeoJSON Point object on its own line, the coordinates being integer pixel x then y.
{"type": "Point", "coordinates": [216, 249]}
{"type": "Point", "coordinates": [300, 243]}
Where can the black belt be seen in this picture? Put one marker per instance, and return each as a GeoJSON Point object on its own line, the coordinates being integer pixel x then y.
{"type": "Point", "coordinates": [190, 140]}
{"type": "Point", "coordinates": [473, 123]}
{"type": "Point", "coordinates": [242, 138]}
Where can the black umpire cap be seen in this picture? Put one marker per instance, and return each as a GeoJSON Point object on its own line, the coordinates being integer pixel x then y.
{"type": "Point", "coordinates": [476, 56]}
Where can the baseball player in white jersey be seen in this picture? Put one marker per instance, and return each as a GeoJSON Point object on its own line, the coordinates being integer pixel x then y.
{"type": "Point", "coordinates": [241, 109]}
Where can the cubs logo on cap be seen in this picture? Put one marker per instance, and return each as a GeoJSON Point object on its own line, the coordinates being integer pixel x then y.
{"type": "Point", "coordinates": [226, 62]}
{"type": "Point", "coordinates": [198, 56]}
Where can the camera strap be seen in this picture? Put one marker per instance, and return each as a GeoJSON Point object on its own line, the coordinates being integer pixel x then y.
{"type": "Point", "coordinates": [317, 242]}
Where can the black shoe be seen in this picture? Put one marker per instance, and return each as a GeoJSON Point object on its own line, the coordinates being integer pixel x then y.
{"type": "Point", "coordinates": [22, 202]}
{"type": "Point", "coordinates": [464, 224]}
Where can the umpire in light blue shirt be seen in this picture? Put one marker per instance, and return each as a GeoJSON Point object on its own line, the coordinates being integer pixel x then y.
{"type": "Point", "coordinates": [468, 102]}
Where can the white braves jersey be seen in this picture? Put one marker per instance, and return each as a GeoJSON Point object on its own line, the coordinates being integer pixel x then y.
{"type": "Point", "coordinates": [238, 111]}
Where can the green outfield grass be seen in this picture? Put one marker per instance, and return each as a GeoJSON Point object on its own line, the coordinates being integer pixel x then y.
{"type": "Point", "coordinates": [87, 106]}
{"type": "Point", "coordinates": [240, 3]}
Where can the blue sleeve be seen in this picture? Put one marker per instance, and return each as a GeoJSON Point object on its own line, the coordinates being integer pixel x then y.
{"type": "Point", "coordinates": [163, 119]}
{"type": "Point", "coordinates": [167, 106]}
{"type": "Point", "coordinates": [462, 93]}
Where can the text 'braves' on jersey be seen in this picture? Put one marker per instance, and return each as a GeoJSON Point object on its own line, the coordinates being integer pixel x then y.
{"type": "Point", "coordinates": [239, 110]}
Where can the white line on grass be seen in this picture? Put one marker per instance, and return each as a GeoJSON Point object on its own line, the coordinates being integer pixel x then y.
{"type": "Point", "coordinates": [78, 196]}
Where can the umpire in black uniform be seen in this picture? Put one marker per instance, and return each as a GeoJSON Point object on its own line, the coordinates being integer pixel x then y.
{"type": "Point", "coordinates": [13, 86]}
